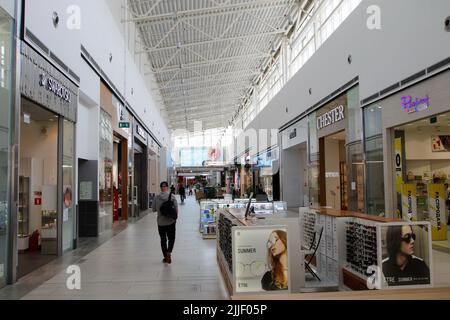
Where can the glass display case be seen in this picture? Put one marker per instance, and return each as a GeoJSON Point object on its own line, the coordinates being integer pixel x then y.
{"type": "Point", "coordinates": [24, 207]}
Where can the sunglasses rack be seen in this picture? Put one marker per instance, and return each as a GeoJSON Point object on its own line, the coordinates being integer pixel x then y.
{"type": "Point", "coordinates": [361, 246]}
{"type": "Point", "coordinates": [225, 240]}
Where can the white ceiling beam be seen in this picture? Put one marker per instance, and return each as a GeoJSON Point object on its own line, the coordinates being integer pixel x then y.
{"type": "Point", "coordinates": [204, 98]}
{"type": "Point", "coordinates": [228, 93]}
{"type": "Point", "coordinates": [213, 62]}
{"type": "Point", "coordinates": [247, 6]}
{"type": "Point", "coordinates": [198, 43]}
{"type": "Point", "coordinates": [201, 107]}
{"type": "Point", "coordinates": [207, 79]}
{"type": "Point", "coordinates": [191, 91]}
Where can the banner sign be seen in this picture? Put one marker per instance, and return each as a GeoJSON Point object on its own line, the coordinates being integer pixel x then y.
{"type": "Point", "coordinates": [409, 202]}
{"type": "Point", "coordinates": [436, 211]}
{"type": "Point", "coordinates": [398, 164]}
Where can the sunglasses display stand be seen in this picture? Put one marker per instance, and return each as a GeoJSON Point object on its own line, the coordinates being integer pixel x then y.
{"type": "Point", "coordinates": [209, 217]}
{"type": "Point", "coordinates": [243, 250]}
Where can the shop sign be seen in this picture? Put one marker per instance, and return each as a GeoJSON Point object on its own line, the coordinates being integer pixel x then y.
{"type": "Point", "coordinates": [44, 84]}
{"type": "Point", "coordinates": [331, 117]}
{"type": "Point", "coordinates": [398, 164]}
{"type": "Point", "coordinates": [293, 134]}
{"type": "Point", "coordinates": [141, 132]}
{"type": "Point", "coordinates": [409, 202]}
{"type": "Point", "coordinates": [54, 86]}
{"type": "Point", "coordinates": [413, 105]}
{"type": "Point", "coordinates": [436, 210]}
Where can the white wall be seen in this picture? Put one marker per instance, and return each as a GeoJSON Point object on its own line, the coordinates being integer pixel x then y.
{"type": "Point", "coordinates": [101, 36]}
{"type": "Point", "coordinates": [88, 132]}
{"type": "Point", "coordinates": [418, 143]}
{"type": "Point", "coordinates": [412, 37]}
{"type": "Point", "coordinates": [8, 6]}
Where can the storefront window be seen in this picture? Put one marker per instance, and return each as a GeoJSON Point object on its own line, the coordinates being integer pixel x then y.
{"type": "Point", "coordinates": [5, 95]}
{"type": "Point", "coordinates": [314, 162]}
{"type": "Point", "coordinates": [105, 172]}
{"type": "Point", "coordinates": [355, 152]}
{"type": "Point", "coordinates": [68, 187]}
{"type": "Point", "coordinates": [373, 143]}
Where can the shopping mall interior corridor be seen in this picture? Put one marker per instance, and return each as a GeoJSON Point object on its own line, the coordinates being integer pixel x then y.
{"type": "Point", "coordinates": [129, 266]}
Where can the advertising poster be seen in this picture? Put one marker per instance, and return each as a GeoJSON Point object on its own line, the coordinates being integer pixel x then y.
{"type": "Point", "coordinates": [436, 211]}
{"type": "Point", "coordinates": [440, 144]}
{"type": "Point", "coordinates": [409, 202]}
{"type": "Point", "coordinates": [398, 164]}
{"type": "Point", "coordinates": [261, 259]}
{"type": "Point", "coordinates": [406, 254]}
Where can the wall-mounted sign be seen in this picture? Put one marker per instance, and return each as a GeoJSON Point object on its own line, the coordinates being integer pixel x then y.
{"type": "Point", "coordinates": [141, 132]}
{"type": "Point", "coordinates": [46, 85]}
{"type": "Point", "coordinates": [335, 115]}
{"type": "Point", "coordinates": [54, 86]}
{"type": "Point", "coordinates": [293, 134]}
{"type": "Point", "coordinates": [412, 105]}
{"type": "Point", "coordinates": [398, 164]}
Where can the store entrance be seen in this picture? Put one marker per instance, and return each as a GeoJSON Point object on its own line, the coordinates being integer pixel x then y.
{"type": "Point", "coordinates": [333, 173]}
{"type": "Point", "coordinates": [421, 160]}
{"type": "Point", "coordinates": [38, 185]}
{"type": "Point", "coordinates": [140, 192]}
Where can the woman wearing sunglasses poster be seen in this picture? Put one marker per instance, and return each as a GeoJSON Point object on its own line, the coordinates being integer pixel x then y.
{"type": "Point", "coordinates": [402, 267]}
{"type": "Point", "coordinates": [277, 277]}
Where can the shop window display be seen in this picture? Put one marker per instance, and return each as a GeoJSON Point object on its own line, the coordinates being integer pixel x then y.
{"type": "Point", "coordinates": [422, 178]}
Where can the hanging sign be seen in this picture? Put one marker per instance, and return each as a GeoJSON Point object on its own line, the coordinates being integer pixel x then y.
{"type": "Point", "coordinates": [436, 211]}
{"type": "Point", "coordinates": [398, 164]}
{"type": "Point", "coordinates": [409, 202]}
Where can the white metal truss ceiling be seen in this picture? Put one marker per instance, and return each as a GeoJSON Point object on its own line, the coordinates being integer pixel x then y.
{"type": "Point", "coordinates": [207, 54]}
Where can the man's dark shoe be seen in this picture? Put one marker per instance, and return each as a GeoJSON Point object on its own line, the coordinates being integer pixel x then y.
{"type": "Point", "coordinates": [168, 258]}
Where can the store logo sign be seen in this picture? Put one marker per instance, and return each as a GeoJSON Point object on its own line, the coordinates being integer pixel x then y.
{"type": "Point", "coordinates": [331, 117]}
{"type": "Point", "coordinates": [54, 86]}
{"type": "Point", "coordinates": [438, 210]}
{"type": "Point", "coordinates": [293, 134]}
{"type": "Point", "coordinates": [413, 105]}
{"type": "Point", "coordinates": [141, 131]}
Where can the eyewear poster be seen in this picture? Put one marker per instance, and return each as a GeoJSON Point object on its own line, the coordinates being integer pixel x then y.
{"type": "Point", "coordinates": [409, 202]}
{"type": "Point", "coordinates": [440, 144]}
{"type": "Point", "coordinates": [436, 210]}
{"type": "Point", "coordinates": [261, 259]}
{"type": "Point", "coordinates": [406, 254]}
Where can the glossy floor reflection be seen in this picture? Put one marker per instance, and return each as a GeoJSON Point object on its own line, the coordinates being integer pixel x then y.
{"type": "Point", "coordinates": [129, 266]}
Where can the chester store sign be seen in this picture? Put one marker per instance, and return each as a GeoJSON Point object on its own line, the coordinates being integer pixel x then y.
{"type": "Point", "coordinates": [53, 86]}
{"type": "Point", "coordinates": [331, 117]}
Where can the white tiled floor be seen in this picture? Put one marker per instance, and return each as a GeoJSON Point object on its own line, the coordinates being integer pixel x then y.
{"type": "Point", "coordinates": [129, 266]}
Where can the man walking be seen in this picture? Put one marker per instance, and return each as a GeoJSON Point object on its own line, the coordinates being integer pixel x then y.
{"type": "Point", "coordinates": [166, 223]}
